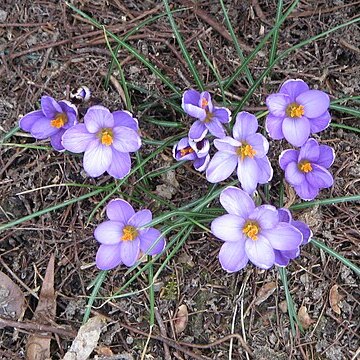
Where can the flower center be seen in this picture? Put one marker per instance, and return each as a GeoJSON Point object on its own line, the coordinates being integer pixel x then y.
{"type": "Point", "coordinates": [251, 230]}
{"type": "Point", "coordinates": [106, 137]}
{"type": "Point", "coordinates": [185, 151]}
{"type": "Point", "coordinates": [204, 103]}
{"type": "Point", "coordinates": [305, 166]}
{"type": "Point", "coordinates": [60, 120]}
{"type": "Point", "coordinates": [208, 117]}
{"type": "Point", "coordinates": [246, 150]}
{"type": "Point", "coordinates": [129, 233]}
{"type": "Point", "coordinates": [295, 110]}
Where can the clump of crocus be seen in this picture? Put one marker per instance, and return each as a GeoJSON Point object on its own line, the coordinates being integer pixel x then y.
{"type": "Point", "coordinates": [296, 112]}
{"type": "Point", "coordinates": [124, 236]}
{"type": "Point", "coordinates": [198, 152]}
{"type": "Point", "coordinates": [246, 150]}
{"type": "Point", "coordinates": [210, 118]}
{"type": "Point", "coordinates": [106, 139]}
{"type": "Point", "coordinates": [51, 121]}
{"type": "Point", "coordinates": [283, 257]}
{"type": "Point", "coordinates": [306, 169]}
{"type": "Point", "coordinates": [250, 232]}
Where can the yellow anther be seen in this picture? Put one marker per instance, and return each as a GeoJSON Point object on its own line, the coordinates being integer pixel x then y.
{"type": "Point", "coordinates": [251, 230]}
{"type": "Point", "coordinates": [129, 233]}
{"type": "Point", "coordinates": [185, 151]}
{"type": "Point", "coordinates": [305, 166]}
{"type": "Point", "coordinates": [59, 121]}
{"type": "Point", "coordinates": [204, 103]}
{"type": "Point", "coordinates": [106, 137]}
{"type": "Point", "coordinates": [295, 110]}
{"type": "Point", "coordinates": [246, 150]}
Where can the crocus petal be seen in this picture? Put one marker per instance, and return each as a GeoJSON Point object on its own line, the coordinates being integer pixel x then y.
{"type": "Point", "coordinates": [206, 95]}
{"type": "Point", "coordinates": [201, 163]}
{"type": "Point", "coordinates": [125, 118]}
{"type": "Point", "coordinates": [215, 128]}
{"type": "Point", "coordinates": [222, 114]}
{"type": "Point", "coordinates": [27, 121]}
{"type": "Point", "coordinates": [293, 88]}
{"type": "Point", "coordinates": [284, 215]}
{"type": "Point", "coordinates": [288, 156]}
{"type": "Point", "coordinates": [265, 170]}
{"type": "Point", "coordinates": [236, 201]}
{"type": "Point", "coordinates": [50, 107]}
{"type": "Point", "coordinates": [245, 124]}
{"type": "Point", "coordinates": [306, 191]}
{"type": "Point", "coordinates": [232, 256]}
{"type": "Point", "coordinates": [108, 257]}
{"type": "Point", "coordinates": [126, 139]}
{"type": "Point", "coordinates": [197, 131]}
{"type": "Point", "coordinates": [42, 129]}
{"type": "Point", "coordinates": [304, 229]}
{"type": "Point", "coordinates": [119, 210]}
{"type": "Point", "coordinates": [71, 112]}
{"type": "Point", "coordinates": [319, 177]}
{"type": "Point", "coordinates": [266, 216]}
{"type": "Point", "coordinates": [273, 126]}
{"type": "Point", "coordinates": [201, 147]}
{"type": "Point", "coordinates": [130, 251]}
{"type": "Point", "coordinates": [315, 103]}
{"type": "Point", "coordinates": [228, 227]}
{"type": "Point", "coordinates": [296, 130]}
{"type": "Point", "coordinates": [97, 158]}
{"type": "Point", "coordinates": [259, 143]}
{"type": "Point", "coordinates": [98, 117]}
{"type": "Point", "coordinates": [151, 242]}
{"type": "Point", "coordinates": [277, 104]}
{"type": "Point", "coordinates": [77, 138]}
{"type": "Point", "coordinates": [140, 218]}
{"type": "Point", "coordinates": [109, 232]}
{"type": "Point", "coordinates": [247, 173]}
{"type": "Point", "coordinates": [320, 123]}
{"type": "Point", "coordinates": [260, 252]}
{"type": "Point", "coordinates": [326, 157]}
{"type": "Point", "coordinates": [221, 166]}
{"type": "Point", "coordinates": [310, 151]}
{"type": "Point", "coordinates": [55, 140]}
{"type": "Point", "coordinates": [280, 258]}
{"type": "Point", "coordinates": [120, 164]}
{"type": "Point", "coordinates": [293, 175]}
{"type": "Point", "coordinates": [227, 145]}
{"type": "Point", "coordinates": [283, 237]}
{"type": "Point", "coordinates": [195, 111]}
{"type": "Point", "coordinates": [191, 97]}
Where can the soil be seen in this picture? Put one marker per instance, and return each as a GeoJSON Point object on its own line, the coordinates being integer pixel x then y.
{"type": "Point", "coordinates": [45, 48]}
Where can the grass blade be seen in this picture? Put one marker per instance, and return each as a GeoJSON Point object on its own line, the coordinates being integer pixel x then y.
{"type": "Point", "coordinates": [276, 33]}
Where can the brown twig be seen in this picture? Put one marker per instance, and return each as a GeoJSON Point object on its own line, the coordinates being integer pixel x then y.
{"type": "Point", "coordinates": [163, 333]}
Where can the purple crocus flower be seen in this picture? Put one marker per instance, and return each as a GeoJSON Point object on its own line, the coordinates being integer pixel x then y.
{"type": "Point", "coordinates": [198, 152]}
{"type": "Point", "coordinates": [106, 138]}
{"type": "Point", "coordinates": [282, 257]}
{"type": "Point", "coordinates": [210, 118]}
{"type": "Point", "coordinates": [250, 232]}
{"type": "Point", "coordinates": [296, 111]}
{"type": "Point", "coordinates": [52, 120]}
{"type": "Point", "coordinates": [306, 169]}
{"type": "Point", "coordinates": [247, 150]}
{"type": "Point", "coordinates": [124, 236]}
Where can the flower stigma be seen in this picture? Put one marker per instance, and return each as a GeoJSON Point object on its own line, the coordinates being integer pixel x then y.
{"type": "Point", "coordinates": [251, 230]}
{"type": "Point", "coordinates": [245, 150]}
{"type": "Point", "coordinates": [204, 103]}
{"type": "Point", "coordinates": [106, 137]}
{"type": "Point", "coordinates": [295, 110]}
{"type": "Point", "coordinates": [129, 233]}
{"type": "Point", "coordinates": [60, 120]}
{"type": "Point", "coordinates": [185, 151]}
{"type": "Point", "coordinates": [305, 166]}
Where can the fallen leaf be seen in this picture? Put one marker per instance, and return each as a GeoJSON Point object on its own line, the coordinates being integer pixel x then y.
{"type": "Point", "coordinates": [283, 306]}
{"type": "Point", "coordinates": [182, 318]}
{"type": "Point", "coordinates": [265, 292]}
{"type": "Point", "coordinates": [86, 340]}
{"type": "Point", "coordinates": [12, 299]}
{"type": "Point", "coordinates": [104, 351]}
{"type": "Point", "coordinates": [335, 299]}
{"type": "Point", "coordinates": [38, 347]}
{"type": "Point", "coordinates": [304, 317]}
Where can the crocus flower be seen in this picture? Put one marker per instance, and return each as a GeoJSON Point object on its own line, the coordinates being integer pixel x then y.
{"type": "Point", "coordinates": [296, 111]}
{"type": "Point", "coordinates": [250, 232]}
{"type": "Point", "coordinates": [283, 257]}
{"type": "Point", "coordinates": [124, 236]}
{"type": "Point", "coordinates": [247, 150]}
{"type": "Point", "coordinates": [106, 138]}
{"type": "Point", "coordinates": [306, 169]}
{"type": "Point", "coordinates": [52, 120]}
{"type": "Point", "coordinates": [198, 152]}
{"type": "Point", "coordinates": [210, 118]}
{"type": "Point", "coordinates": [82, 94]}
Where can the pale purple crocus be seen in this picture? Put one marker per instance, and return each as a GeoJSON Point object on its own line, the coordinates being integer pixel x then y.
{"type": "Point", "coordinates": [296, 112]}
{"type": "Point", "coordinates": [246, 150]}
{"type": "Point", "coordinates": [250, 232]}
{"type": "Point", "coordinates": [106, 139]}
{"type": "Point", "coordinates": [125, 236]}
{"type": "Point", "coordinates": [283, 257]}
{"type": "Point", "coordinates": [306, 169]}
{"type": "Point", "coordinates": [210, 117]}
{"type": "Point", "coordinates": [198, 152]}
{"type": "Point", "coordinates": [51, 121]}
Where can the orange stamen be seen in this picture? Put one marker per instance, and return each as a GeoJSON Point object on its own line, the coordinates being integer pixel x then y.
{"type": "Point", "coordinates": [106, 137]}
{"type": "Point", "coordinates": [185, 151]}
{"type": "Point", "coordinates": [59, 121]}
{"type": "Point", "coordinates": [305, 166]}
{"type": "Point", "coordinates": [295, 110]}
{"type": "Point", "coordinates": [204, 103]}
{"type": "Point", "coordinates": [129, 233]}
{"type": "Point", "coordinates": [251, 230]}
{"type": "Point", "coordinates": [246, 150]}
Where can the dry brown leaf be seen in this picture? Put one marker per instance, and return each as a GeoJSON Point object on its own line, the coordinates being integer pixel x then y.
{"type": "Point", "coordinates": [304, 317]}
{"type": "Point", "coordinates": [12, 299]}
{"type": "Point", "coordinates": [265, 292]}
{"type": "Point", "coordinates": [182, 318]}
{"type": "Point", "coordinates": [38, 347]}
{"type": "Point", "coordinates": [335, 299]}
{"type": "Point", "coordinates": [86, 340]}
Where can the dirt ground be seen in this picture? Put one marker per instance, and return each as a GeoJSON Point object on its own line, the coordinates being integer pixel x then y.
{"type": "Point", "coordinates": [45, 48]}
